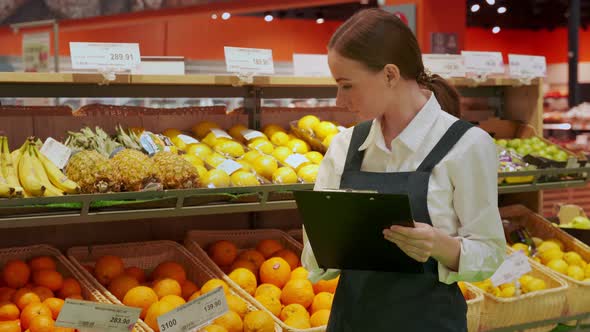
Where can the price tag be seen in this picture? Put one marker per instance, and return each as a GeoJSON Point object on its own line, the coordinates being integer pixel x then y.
{"type": "Point", "coordinates": [220, 133]}
{"type": "Point", "coordinates": [341, 128]}
{"type": "Point", "coordinates": [229, 166]}
{"type": "Point", "coordinates": [513, 268]}
{"type": "Point", "coordinates": [445, 65]}
{"type": "Point", "coordinates": [311, 65]}
{"type": "Point", "coordinates": [582, 139]}
{"type": "Point", "coordinates": [121, 56]}
{"type": "Point", "coordinates": [295, 160]}
{"type": "Point", "coordinates": [195, 314]}
{"type": "Point", "coordinates": [56, 152]}
{"type": "Point", "coordinates": [527, 65]}
{"type": "Point", "coordinates": [483, 62]}
{"type": "Point", "coordinates": [187, 139]}
{"type": "Point", "coordinates": [151, 143]}
{"type": "Point", "coordinates": [85, 315]}
{"type": "Point", "coordinates": [250, 134]}
{"type": "Point", "coordinates": [249, 60]}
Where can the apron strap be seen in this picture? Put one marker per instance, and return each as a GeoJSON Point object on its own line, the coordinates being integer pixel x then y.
{"type": "Point", "coordinates": [354, 157]}
{"type": "Point", "coordinates": [446, 143]}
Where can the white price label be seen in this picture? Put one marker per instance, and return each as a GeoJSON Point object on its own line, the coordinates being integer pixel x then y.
{"type": "Point", "coordinates": [483, 62]}
{"type": "Point", "coordinates": [296, 159]}
{"type": "Point", "coordinates": [187, 139]}
{"type": "Point", "coordinates": [513, 268]}
{"type": "Point", "coordinates": [196, 313]}
{"type": "Point", "coordinates": [229, 166]}
{"type": "Point", "coordinates": [311, 65]}
{"type": "Point", "coordinates": [121, 56]}
{"type": "Point", "coordinates": [249, 60]}
{"type": "Point", "coordinates": [85, 315]}
{"type": "Point", "coordinates": [445, 65]}
{"type": "Point", "coordinates": [527, 66]}
{"type": "Point", "coordinates": [250, 134]}
{"type": "Point", "coordinates": [220, 133]}
{"type": "Point", "coordinates": [56, 152]}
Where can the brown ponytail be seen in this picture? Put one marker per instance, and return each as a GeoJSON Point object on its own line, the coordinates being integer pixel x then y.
{"type": "Point", "coordinates": [376, 38]}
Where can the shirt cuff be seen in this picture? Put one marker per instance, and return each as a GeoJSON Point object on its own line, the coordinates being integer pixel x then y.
{"type": "Point", "coordinates": [477, 262]}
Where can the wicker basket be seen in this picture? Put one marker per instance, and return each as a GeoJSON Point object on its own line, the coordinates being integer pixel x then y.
{"type": "Point", "coordinates": [474, 298]}
{"type": "Point", "coordinates": [145, 255]}
{"type": "Point", "coordinates": [578, 294]}
{"type": "Point", "coordinates": [531, 307]}
{"type": "Point", "coordinates": [197, 242]}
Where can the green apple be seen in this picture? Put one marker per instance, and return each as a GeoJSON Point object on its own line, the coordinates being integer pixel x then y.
{"type": "Point", "coordinates": [544, 154]}
{"type": "Point", "coordinates": [535, 139]}
{"type": "Point", "coordinates": [514, 143]}
{"type": "Point", "coordinates": [502, 142]}
{"type": "Point", "coordinates": [537, 146]}
{"type": "Point", "coordinates": [552, 149]}
{"type": "Point", "coordinates": [561, 156]}
{"type": "Point", "coordinates": [580, 222]}
{"type": "Point", "coordinates": [524, 150]}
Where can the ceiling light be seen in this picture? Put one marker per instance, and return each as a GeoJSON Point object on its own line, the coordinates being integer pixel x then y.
{"type": "Point", "coordinates": [475, 8]}
{"type": "Point", "coordinates": [496, 29]}
{"type": "Point", "coordinates": [268, 17]}
{"type": "Point", "coordinates": [502, 10]}
{"type": "Point", "coordinates": [226, 16]}
{"type": "Point", "coordinates": [214, 16]}
{"type": "Point", "coordinates": [491, 2]}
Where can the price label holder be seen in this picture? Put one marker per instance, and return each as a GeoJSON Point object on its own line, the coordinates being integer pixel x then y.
{"type": "Point", "coordinates": [250, 134]}
{"type": "Point", "coordinates": [107, 58]}
{"type": "Point", "coordinates": [220, 133]}
{"type": "Point", "coordinates": [295, 160]}
{"type": "Point", "coordinates": [513, 268]}
{"type": "Point", "coordinates": [311, 65]}
{"type": "Point", "coordinates": [445, 65]}
{"type": "Point", "coordinates": [483, 64]}
{"type": "Point", "coordinates": [229, 166]}
{"type": "Point", "coordinates": [527, 67]}
{"type": "Point", "coordinates": [92, 316]}
{"type": "Point", "coordinates": [56, 152]}
{"type": "Point", "coordinates": [247, 62]}
{"type": "Point", "coordinates": [187, 139]}
{"type": "Point", "coordinates": [195, 314]}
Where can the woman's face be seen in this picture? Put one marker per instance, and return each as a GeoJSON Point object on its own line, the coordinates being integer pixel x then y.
{"type": "Point", "coordinates": [360, 90]}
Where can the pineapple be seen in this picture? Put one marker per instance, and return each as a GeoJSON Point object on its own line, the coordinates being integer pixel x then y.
{"type": "Point", "coordinates": [175, 172]}
{"type": "Point", "coordinates": [93, 172]}
{"type": "Point", "coordinates": [135, 169]}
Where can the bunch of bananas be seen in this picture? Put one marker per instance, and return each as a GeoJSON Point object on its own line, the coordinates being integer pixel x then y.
{"type": "Point", "coordinates": [9, 183]}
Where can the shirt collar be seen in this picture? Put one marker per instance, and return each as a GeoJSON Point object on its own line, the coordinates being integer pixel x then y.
{"type": "Point", "coordinates": [416, 131]}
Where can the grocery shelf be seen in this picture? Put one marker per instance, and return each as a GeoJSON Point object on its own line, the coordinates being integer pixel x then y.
{"type": "Point", "coordinates": [581, 178]}
{"type": "Point", "coordinates": [527, 326]}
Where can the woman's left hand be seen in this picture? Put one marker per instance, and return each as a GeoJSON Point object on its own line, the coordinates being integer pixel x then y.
{"type": "Point", "coordinates": [418, 242]}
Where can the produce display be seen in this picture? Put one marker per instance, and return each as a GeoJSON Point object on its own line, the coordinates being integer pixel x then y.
{"type": "Point", "coordinates": [534, 146]}
{"type": "Point", "coordinates": [510, 161]}
{"type": "Point", "coordinates": [526, 284]}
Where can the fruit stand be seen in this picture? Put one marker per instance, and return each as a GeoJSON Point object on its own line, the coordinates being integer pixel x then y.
{"type": "Point", "coordinates": [83, 224]}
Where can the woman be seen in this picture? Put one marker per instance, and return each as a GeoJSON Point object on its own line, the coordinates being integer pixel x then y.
{"type": "Point", "coordinates": [409, 145]}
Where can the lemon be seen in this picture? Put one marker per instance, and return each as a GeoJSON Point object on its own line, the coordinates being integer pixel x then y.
{"type": "Point", "coordinates": [325, 129]}
{"type": "Point", "coordinates": [328, 140]}
{"type": "Point", "coordinates": [179, 143]}
{"type": "Point", "coordinates": [573, 258]}
{"type": "Point", "coordinates": [575, 272]}
{"type": "Point", "coordinates": [251, 156]}
{"type": "Point", "coordinates": [236, 132]}
{"type": "Point", "coordinates": [199, 149]}
{"type": "Point", "coordinates": [315, 157]}
{"type": "Point", "coordinates": [506, 285]}
{"type": "Point", "coordinates": [216, 178]}
{"type": "Point", "coordinates": [546, 245]}
{"type": "Point", "coordinates": [202, 171]}
{"type": "Point", "coordinates": [558, 265]}
{"type": "Point", "coordinates": [194, 160]}
{"type": "Point", "coordinates": [281, 153]}
{"type": "Point", "coordinates": [172, 149]}
{"type": "Point", "coordinates": [536, 285]}
{"type": "Point", "coordinates": [587, 271]}
{"type": "Point", "coordinates": [508, 291]}
{"type": "Point", "coordinates": [298, 146]}
{"type": "Point", "coordinates": [524, 280]}
{"type": "Point", "coordinates": [485, 285]}
{"type": "Point", "coordinates": [262, 145]}
{"type": "Point", "coordinates": [212, 140]}
{"type": "Point", "coordinates": [171, 132]}
{"type": "Point", "coordinates": [308, 173]}
{"type": "Point", "coordinates": [284, 175]}
{"type": "Point", "coordinates": [215, 159]}
{"type": "Point", "coordinates": [551, 254]}
{"type": "Point", "coordinates": [245, 165]}
{"type": "Point", "coordinates": [203, 128]}
{"type": "Point", "coordinates": [230, 148]}
{"type": "Point", "coordinates": [538, 260]}
{"type": "Point", "coordinates": [586, 280]}
{"type": "Point", "coordinates": [308, 122]}
{"type": "Point", "coordinates": [265, 166]}
{"type": "Point", "coordinates": [558, 242]}
{"type": "Point", "coordinates": [279, 138]}
{"type": "Point", "coordinates": [270, 129]}
{"type": "Point", "coordinates": [521, 246]}
{"type": "Point", "coordinates": [496, 291]}
{"type": "Point", "coordinates": [243, 178]}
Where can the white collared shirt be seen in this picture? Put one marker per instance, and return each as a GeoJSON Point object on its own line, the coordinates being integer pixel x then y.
{"type": "Point", "coordinates": [462, 192]}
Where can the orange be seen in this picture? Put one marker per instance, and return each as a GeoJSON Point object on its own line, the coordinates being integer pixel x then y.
{"type": "Point", "coordinates": [223, 252]}
{"type": "Point", "coordinates": [242, 263]}
{"type": "Point", "coordinates": [299, 273]}
{"type": "Point", "coordinates": [33, 310]}
{"type": "Point", "coordinates": [212, 284]}
{"type": "Point", "coordinates": [268, 289]}
{"type": "Point", "coordinates": [108, 268]}
{"type": "Point", "coordinates": [322, 301]}
{"type": "Point", "coordinates": [55, 305]}
{"type": "Point", "coordinates": [136, 273]}
{"type": "Point", "coordinates": [231, 321]}
{"type": "Point", "coordinates": [214, 328]}
{"type": "Point", "coordinates": [42, 263]}
{"type": "Point", "coordinates": [298, 291]}
{"type": "Point", "coordinates": [48, 278]}
{"type": "Point", "coordinates": [195, 295]}
{"type": "Point", "coordinates": [6, 293]}
{"type": "Point", "coordinates": [42, 324]}
{"type": "Point", "coordinates": [24, 297]}
{"type": "Point", "coordinates": [8, 311]}
{"type": "Point", "coordinates": [70, 287]}
{"type": "Point", "coordinates": [320, 318]}
{"type": "Point", "coordinates": [275, 271]}
{"type": "Point", "coordinates": [288, 256]}
{"type": "Point", "coordinates": [253, 256]}
{"type": "Point", "coordinates": [16, 273]}
{"type": "Point", "coordinates": [140, 297]}
{"type": "Point", "coordinates": [170, 270]}
{"type": "Point", "coordinates": [326, 285]}
{"type": "Point", "coordinates": [167, 287]}
{"type": "Point", "coordinates": [237, 305]}
{"type": "Point", "coordinates": [293, 309]}
{"type": "Point", "coordinates": [155, 310]}
{"type": "Point", "coordinates": [188, 289]}
{"type": "Point", "coordinates": [268, 247]}
{"type": "Point", "coordinates": [245, 279]}
{"type": "Point", "coordinates": [10, 326]}
{"type": "Point", "coordinates": [271, 303]}
{"type": "Point", "coordinates": [298, 322]}
{"type": "Point", "coordinates": [175, 300]}
{"type": "Point", "coordinates": [121, 285]}
{"type": "Point", "coordinates": [43, 292]}
{"type": "Point", "coordinates": [258, 321]}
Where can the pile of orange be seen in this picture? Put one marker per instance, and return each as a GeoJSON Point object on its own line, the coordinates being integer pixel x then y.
{"type": "Point", "coordinates": [32, 294]}
{"type": "Point", "coordinates": [273, 276]}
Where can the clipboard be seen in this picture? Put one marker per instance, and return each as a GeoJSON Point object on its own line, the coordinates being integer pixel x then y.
{"type": "Point", "coordinates": [345, 229]}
